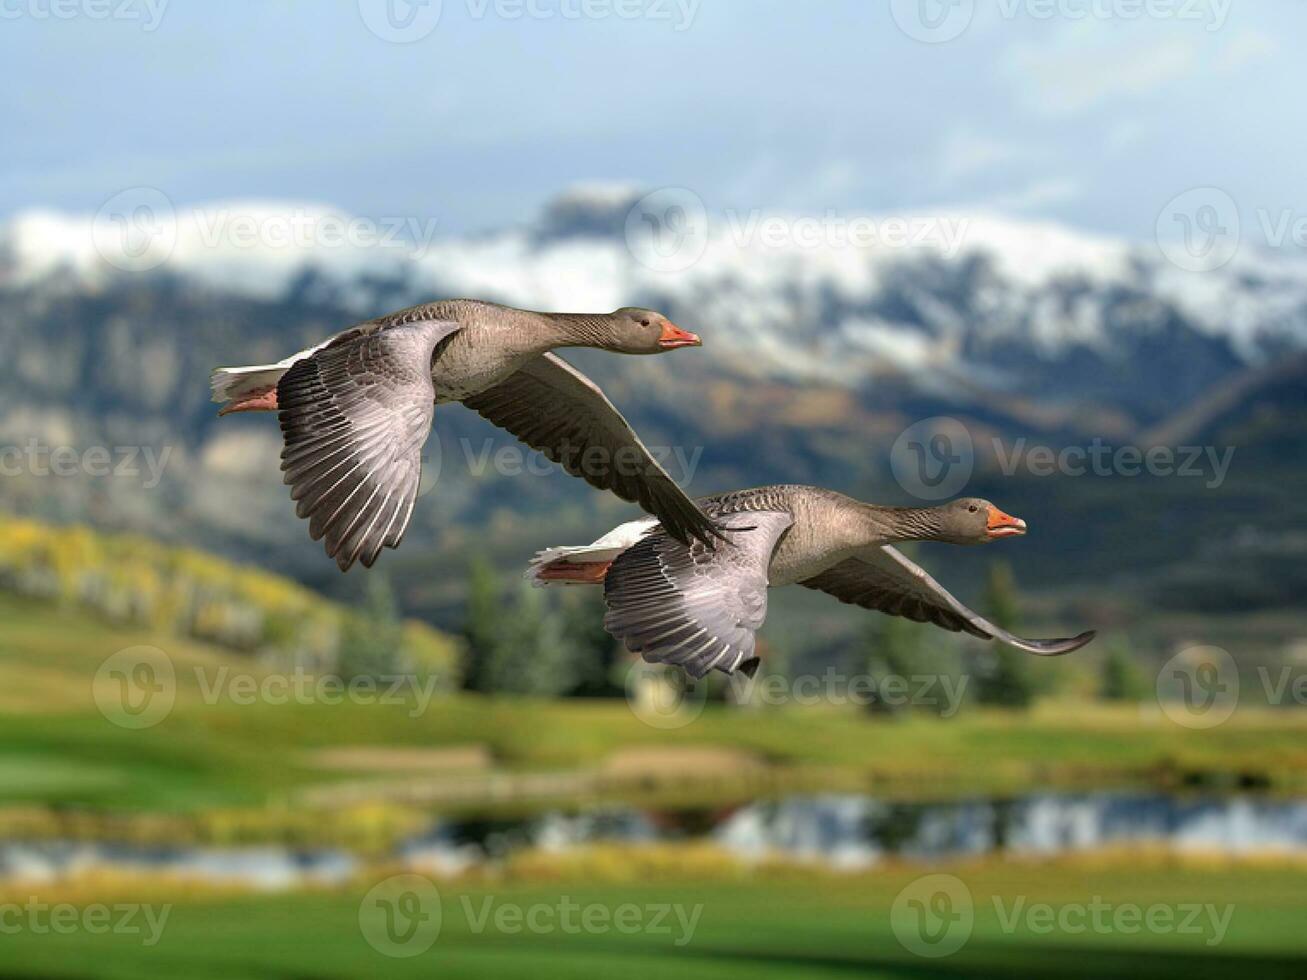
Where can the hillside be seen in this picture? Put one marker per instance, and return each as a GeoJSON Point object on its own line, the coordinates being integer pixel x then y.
{"type": "Point", "coordinates": [816, 360]}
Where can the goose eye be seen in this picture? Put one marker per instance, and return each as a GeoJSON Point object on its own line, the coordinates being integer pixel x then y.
{"type": "Point", "coordinates": [973, 508]}
{"type": "Point", "coordinates": [644, 323]}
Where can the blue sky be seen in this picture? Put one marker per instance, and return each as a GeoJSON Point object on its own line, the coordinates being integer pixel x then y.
{"type": "Point", "coordinates": [1091, 112]}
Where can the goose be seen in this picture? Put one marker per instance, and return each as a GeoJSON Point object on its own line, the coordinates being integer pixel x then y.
{"type": "Point", "coordinates": [356, 410]}
{"type": "Point", "coordinates": [682, 604]}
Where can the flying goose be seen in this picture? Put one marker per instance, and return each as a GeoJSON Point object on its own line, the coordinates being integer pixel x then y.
{"type": "Point", "coordinates": [699, 608]}
{"type": "Point", "coordinates": [356, 410]}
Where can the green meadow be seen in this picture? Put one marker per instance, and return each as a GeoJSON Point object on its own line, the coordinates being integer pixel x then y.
{"type": "Point", "coordinates": [1248, 921]}
{"type": "Point", "coordinates": [218, 746]}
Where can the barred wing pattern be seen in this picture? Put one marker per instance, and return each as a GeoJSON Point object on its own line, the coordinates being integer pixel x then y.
{"type": "Point", "coordinates": [691, 606]}
{"type": "Point", "coordinates": [887, 581]}
{"type": "Point", "coordinates": [354, 417]}
{"type": "Point", "coordinates": [553, 407]}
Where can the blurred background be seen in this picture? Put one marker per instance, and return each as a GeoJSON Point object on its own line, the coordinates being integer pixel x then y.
{"type": "Point", "coordinates": [1049, 253]}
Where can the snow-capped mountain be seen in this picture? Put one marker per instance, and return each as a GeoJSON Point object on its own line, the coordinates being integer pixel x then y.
{"type": "Point", "coordinates": [828, 298]}
{"type": "Point", "coordinates": [825, 337]}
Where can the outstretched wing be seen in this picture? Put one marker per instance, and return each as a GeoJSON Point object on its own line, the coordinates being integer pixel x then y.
{"type": "Point", "coordinates": [885, 580]}
{"type": "Point", "coordinates": [354, 416]}
{"type": "Point", "coordinates": [694, 607]}
{"type": "Point", "coordinates": [553, 407]}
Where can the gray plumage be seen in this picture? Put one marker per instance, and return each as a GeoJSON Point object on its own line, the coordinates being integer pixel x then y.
{"type": "Point", "coordinates": [699, 608]}
{"type": "Point", "coordinates": [356, 410]}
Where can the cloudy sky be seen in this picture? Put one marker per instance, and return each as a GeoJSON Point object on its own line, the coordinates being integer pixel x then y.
{"type": "Point", "coordinates": [1090, 112]}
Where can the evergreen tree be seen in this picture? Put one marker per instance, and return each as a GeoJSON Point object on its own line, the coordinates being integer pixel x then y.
{"type": "Point", "coordinates": [530, 655]}
{"type": "Point", "coordinates": [594, 653]}
{"type": "Point", "coordinates": [482, 624]}
{"type": "Point", "coordinates": [1009, 678]}
{"type": "Point", "coordinates": [910, 668]}
{"type": "Point", "coordinates": [1122, 679]}
{"type": "Point", "coordinates": [372, 638]}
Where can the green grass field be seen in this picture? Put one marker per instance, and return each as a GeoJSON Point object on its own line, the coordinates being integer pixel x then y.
{"type": "Point", "coordinates": [57, 747]}
{"type": "Point", "coordinates": [781, 926]}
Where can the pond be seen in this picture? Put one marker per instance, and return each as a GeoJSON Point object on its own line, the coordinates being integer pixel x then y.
{"type": "Point", "coordinates": [839, 831]}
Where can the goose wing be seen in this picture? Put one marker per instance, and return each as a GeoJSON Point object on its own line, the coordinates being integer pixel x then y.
{"type": "Point", "coordinates": [694, 607]}
{"type": "Point", "coordinates": [553, 407]}
{"type": "Point", "coordinates": [354, 417]}
{"type": "Point", "coordinates": [884, 579]}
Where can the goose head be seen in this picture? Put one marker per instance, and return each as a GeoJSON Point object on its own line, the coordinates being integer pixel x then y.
{"type": "Point", "coordinates": [639, 331]}
{"type": "Point", "coordinates": [972, 520]}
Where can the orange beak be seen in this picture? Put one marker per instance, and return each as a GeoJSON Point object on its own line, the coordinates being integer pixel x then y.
{"type": "Point", "coordinates": [673, 337]}
{"type": "Point", "coordinates": [1002, 525]}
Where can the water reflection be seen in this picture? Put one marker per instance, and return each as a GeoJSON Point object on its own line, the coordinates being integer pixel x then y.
{"type": "Point", "coordinates": [838, 831]}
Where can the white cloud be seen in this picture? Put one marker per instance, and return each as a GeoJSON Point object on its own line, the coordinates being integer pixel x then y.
{"type": "Point", "coordinates": [1039, 194]}
{"type": "Point", "coordinates": [1085, 65]}
{"type": "Point", "coordinates": [1248, 46]}
{"type": "Point", "coordinates": [966, 152]}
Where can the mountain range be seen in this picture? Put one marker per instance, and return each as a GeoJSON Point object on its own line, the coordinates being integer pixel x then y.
{"type": "Point", "coordinates": [826, 339]}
